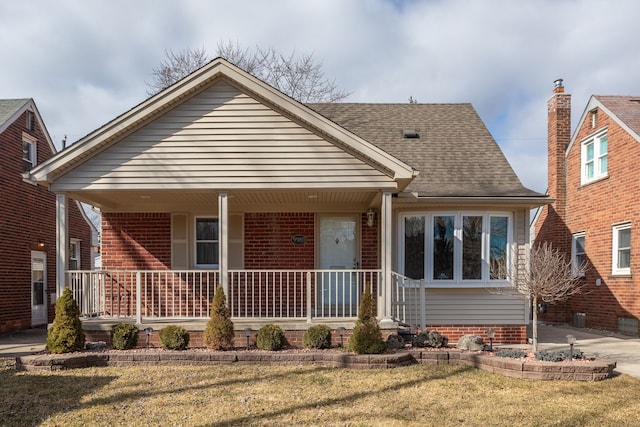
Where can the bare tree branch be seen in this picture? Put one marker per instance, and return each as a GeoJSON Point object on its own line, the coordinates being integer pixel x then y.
{"type": "Point", "coordinates": [545, 275]}
{"type": "Point", "coordinates": [300, 77]}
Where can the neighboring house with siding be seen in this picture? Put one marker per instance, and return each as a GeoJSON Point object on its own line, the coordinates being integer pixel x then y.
{"type": "Point", "coordinates": [293, 208]}
{"type": "Point", "coordinates": [28, 222]}
{"type": "Point", "coordinates": [593, 177]}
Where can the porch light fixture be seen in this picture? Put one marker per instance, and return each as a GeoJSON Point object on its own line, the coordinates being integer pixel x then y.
{"type": "Point", "coordinates": [491, 333]}
{"type": "Point", "coordinates": [148, 332]}
{"type": "Point", "coordinates": [247, 334]}
{"type": "Point", "coordinates": [40, 244]}
{"type": "Point", "coordinates": [371, 217]}
{"type": "Point", "coordinates": [571, 340]}
{"type": "Point", "coordinates": [341, 330]}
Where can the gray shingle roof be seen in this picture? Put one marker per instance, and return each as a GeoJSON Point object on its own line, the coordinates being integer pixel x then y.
{"type": "Point", "coordinates": [455, 153]}
{"type": "Point", "coordinates": [626, 108]}
{"type": "Point", "coordinates": [8, 108]}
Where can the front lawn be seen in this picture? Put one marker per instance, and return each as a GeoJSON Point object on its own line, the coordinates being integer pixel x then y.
{"type": "Point", "coordinates": [307, 395]}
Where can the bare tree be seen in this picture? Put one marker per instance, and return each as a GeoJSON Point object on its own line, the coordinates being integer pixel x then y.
{"type": "Point", "coordinates": [174, 67]}
{"type": "Point", "coordinates": [546, 275]}
{"type": "Point", "coordinates": [300, 77]}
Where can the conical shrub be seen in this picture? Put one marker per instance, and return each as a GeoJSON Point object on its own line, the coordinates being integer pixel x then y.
{"type": "Point", "coordinates": [219, 331]}
{"type": "Point", "coordinates": [366, 337]}
{"type": "Point", "coordinates": [66, 334]}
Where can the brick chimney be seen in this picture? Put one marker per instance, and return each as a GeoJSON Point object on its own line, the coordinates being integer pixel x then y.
{"type": "Point", "coordinates": [559, 136]}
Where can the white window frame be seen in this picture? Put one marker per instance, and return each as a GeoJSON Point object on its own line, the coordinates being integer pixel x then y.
{"type": "Point", "coordinates": [33, 152]}
{"type": "Point", "coordinates": [196, 241]}
{"type": "Point", "coordinates": [615, 269]}
{"type": "Point", "coordinates": [74, 254]}
{"type": "Point", "coordinates": [30, 119]}
{"type": "Point", "coordinates": [598, 155]}
{"type": "Point", "coordinates": [575, 263]}
{"type": "Point", "coordinates": [457, 281]}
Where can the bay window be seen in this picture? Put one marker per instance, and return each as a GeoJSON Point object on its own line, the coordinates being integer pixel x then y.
{"type": "Point", "coordinates": [460, 249]}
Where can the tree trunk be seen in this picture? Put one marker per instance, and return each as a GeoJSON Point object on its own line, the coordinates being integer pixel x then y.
{"type": "Point", "coordinates": [534, 326]}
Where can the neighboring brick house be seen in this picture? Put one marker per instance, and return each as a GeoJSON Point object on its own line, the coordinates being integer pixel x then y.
{"type": "Point", "coordinates": [28, 222]}
{"type": "Point", "coordinates": [293, 208]}
{"type": "Point", "coordinates": [593, 176]}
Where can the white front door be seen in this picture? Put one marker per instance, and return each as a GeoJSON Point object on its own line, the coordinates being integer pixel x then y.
{"type": "Point", "coordinates": [338, 252]}
{"type": "Point", "coordinates": [38, 288]}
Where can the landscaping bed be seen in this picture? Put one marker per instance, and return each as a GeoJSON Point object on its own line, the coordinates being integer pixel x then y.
{"type": "Point", "coordinates": [526, 368]}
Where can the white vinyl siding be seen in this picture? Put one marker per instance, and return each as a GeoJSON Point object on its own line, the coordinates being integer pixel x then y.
{"type": "Point", "coordinates": [222, 138]}
{"type": "Point", "coordinates": [467, 306]}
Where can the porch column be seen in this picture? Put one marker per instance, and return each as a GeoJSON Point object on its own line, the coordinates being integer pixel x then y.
{"type": "Point", "coordinates": [384, 293]}
{"type": "Point", "coordinates": [62, 242]}
{"type": "Point", "coordinates": [223, 240]}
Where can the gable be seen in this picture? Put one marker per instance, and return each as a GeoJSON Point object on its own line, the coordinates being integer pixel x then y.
{"type": "Point", "coordinates": [223, 138]}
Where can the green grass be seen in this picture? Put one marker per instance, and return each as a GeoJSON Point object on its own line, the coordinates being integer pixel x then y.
{"type": "Point", "coordinates": [307, 396]}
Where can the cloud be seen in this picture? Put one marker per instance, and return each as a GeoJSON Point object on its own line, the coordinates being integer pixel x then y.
{"type": "Point", "coordinates": [86, 62]}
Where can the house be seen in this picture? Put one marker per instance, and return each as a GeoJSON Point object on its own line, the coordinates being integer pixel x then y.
{"type": "Point", "coordinates": [28, 222]}
{"type": "Point", "coordinates": [593, 177]}
{"type": "Point", "coordinates": [293, 209]}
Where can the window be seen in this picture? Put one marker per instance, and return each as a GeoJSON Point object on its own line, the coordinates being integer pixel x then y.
{"type": "Point", "coordinates": [30, 119]}
{"type": "Point", "coordinates": [74, 255]}
{"type": "Point", "coordinates": [621, 249]}
{"type": "Point", "coordinates": [578, 254]}
{"type": "Point", "coordinates": [595, 157]}
{"type": "Point", "coordinates": [207, 244]}
{"type": "Point", "coordinates": [460, 248]}
{"type": "Point", "coordinates": [28, 154]}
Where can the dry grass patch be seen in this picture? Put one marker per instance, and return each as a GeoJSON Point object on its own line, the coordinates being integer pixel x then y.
{"type": "Point", "coordinates": [308, 396]}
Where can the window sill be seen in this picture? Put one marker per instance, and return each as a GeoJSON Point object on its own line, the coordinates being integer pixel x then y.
{"type": "Point", "coordinates": [593, 181]}
{"type": "Point", "coordinates": [620, 276]}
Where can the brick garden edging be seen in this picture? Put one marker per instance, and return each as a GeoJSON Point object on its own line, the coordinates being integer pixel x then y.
{"type": "Point", "coordinates": [593, 370]}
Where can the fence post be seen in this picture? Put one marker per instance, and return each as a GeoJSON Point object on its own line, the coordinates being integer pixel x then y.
{"type": "Point", "coordinates": [309, 297]}
{"type": "Point", "coordinates": [138, 298]}
{"type": "Point", "coordinates": [423, 306]}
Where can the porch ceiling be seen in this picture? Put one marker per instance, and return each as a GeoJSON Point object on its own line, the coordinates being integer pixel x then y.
{"type": "Point", "coordinates": [239, 201]}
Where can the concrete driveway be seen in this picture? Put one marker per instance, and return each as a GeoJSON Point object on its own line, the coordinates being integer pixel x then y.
{"type": "Point", "coordinates": [624, 350]}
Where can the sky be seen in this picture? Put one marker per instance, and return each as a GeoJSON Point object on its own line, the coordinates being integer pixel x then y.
{"type": "Point", "coordinates": [84, 62]}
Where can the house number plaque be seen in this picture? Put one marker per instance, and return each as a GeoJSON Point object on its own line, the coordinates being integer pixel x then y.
{"type": "Point", "coordinates": [298, 239]}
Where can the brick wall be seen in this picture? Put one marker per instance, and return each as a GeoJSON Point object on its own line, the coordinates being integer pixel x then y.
{"type": "Point", "coordinates": [27, 215]}
{"type": "Point", "coordinates": [136, 241]}
{"type": "Point", "coordinates": [268, 241]}
{"type": "Point", "coordinates": [593, 209]}
{"type": "Point", "coordinates": [505, 334]}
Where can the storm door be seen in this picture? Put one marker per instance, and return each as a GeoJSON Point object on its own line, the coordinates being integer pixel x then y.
{"type": "Point", "coordinates": [38, 288]}
{"type": "Point", "coordinates": [337, 286]}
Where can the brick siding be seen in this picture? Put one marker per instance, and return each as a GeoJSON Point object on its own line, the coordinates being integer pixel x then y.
{"type": "Point", "coordinates": [27, 215]}
{"type": "Point", "coordinates": [593, 209]}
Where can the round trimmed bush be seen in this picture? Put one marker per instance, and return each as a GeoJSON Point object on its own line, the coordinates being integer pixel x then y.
{"type": "Point", "coordinates": [318, 336]}
{"type": "Point", "coordinates": [270, 337]}
{"type": "Point", "coordinates": [124, 336]}
{"type": "Point", "coordinates": [174, 337]}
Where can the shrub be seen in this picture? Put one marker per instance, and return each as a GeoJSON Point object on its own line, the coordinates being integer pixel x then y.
{"type": "Point", "coordinates": [270, 337]}
{"type": "Point", "coordinates": [367, 337]}
{"type": "Point", "coordinates": [557, 356]}
{"type": "Point", "coordinates": [66, 334]}
{"type": "Point", "coordinates": [515, 354]}
{"type": "Point", "coordinates": [318, 336]}
{"type": "Point", "coordinates": [124, 336]}
{"type": "Point", "coordinates": [174, 337]}
{"type": "Point", "coordinates": [219, 331]}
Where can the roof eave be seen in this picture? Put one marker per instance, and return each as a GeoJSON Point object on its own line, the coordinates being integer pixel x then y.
{"type": "Point", "coordinates": [521, 201]}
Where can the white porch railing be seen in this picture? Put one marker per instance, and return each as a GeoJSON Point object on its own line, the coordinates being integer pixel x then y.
{"type": "Point", "coordinates": [408, 305]}
{"type": "Point", "coordinates": [252, 294]}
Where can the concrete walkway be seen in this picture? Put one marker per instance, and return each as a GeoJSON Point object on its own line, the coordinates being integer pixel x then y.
{"type": "Point", "coordinates": [624, 350]}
